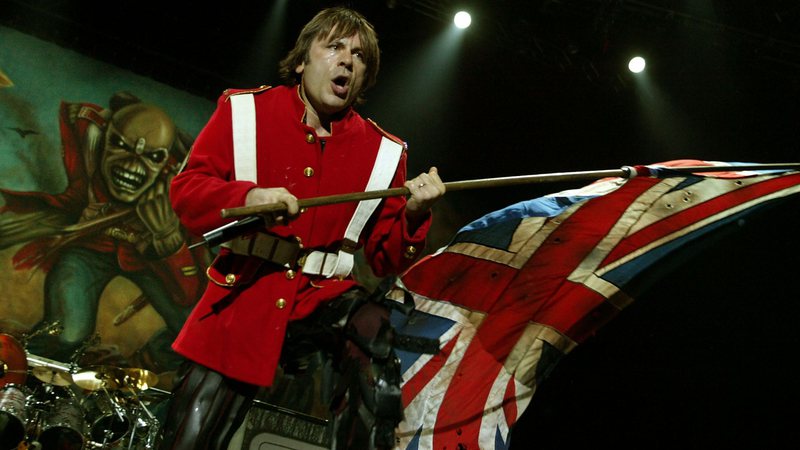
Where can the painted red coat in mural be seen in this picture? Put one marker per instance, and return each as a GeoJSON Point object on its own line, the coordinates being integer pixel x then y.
{"type": "Point", "coordinates": [81, 126]}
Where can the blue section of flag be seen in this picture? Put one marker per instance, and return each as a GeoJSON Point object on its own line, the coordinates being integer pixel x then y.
{"type": "Point", "coordinates": [549, 206]}
{"type": "Point", "coordinates": [499, 443]}
{"type": "Point", "coordinates": [419, 324]}
{"type": "Point", "coordinates": [497, 236]}
{"type": "Point", "coordinates": [414, 444]}
{"type": "Point", "coordinates": [631, 269]}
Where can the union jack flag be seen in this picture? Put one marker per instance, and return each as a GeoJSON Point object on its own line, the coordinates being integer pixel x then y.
{"type": "Point", "coordinates": [521, 287]}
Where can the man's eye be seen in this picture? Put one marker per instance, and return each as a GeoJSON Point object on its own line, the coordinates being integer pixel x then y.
{"type": "Point", "coordinates": [359, 55]}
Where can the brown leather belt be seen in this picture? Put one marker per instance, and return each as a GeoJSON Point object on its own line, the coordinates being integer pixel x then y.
{"type": "Point", "coordinates": [285, 252]}
{"type": "Point", "coordinates": [282, 251]}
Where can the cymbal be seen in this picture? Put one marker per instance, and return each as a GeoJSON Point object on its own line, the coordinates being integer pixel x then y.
{"type": "Point", "coordinates": [114, 378]}
{"type": "Point", "coordinates": [52, 376]}
{"type": "Point", "coordinates": [13, 362]}
{"type": "Point", "coordinates": [140, 379]}
{"type": "Point", "coordinates": [98, 377]}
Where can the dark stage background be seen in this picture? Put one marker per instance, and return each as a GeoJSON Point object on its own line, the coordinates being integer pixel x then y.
{"type": "Point", "coordinates": [707, 357]}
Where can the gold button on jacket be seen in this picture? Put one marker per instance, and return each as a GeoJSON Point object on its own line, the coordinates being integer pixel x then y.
{"type": "Point", "coordinates": [308, 171]}
{"type": "Point", "coordinates": [280, 304]}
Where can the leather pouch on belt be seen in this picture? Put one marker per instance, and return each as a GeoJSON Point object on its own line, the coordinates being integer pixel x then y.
{"type": "Point", "coordinates": [276, 250]}
{"type": "Point", "coordinates": [230, 270]}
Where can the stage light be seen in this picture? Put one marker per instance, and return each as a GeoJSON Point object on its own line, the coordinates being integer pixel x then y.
{"type": "Point", "coordinates": [636, 64]}
{"type": "Point", "coordinates": [462, 19]}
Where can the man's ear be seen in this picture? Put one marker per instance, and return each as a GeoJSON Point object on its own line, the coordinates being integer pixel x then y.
{"type": "Point", "coordinates": [300, 67]}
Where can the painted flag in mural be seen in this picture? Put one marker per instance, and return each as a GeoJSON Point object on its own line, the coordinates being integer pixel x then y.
{"type": "Point", "coordinates": [519, 288]}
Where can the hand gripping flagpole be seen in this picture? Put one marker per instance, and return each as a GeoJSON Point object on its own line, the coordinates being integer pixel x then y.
{"type": "Point", "coordinates": [253, 219]}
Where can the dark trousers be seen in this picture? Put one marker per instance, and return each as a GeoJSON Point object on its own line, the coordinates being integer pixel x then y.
{"type": "Point", "coordinates": [207, 408]}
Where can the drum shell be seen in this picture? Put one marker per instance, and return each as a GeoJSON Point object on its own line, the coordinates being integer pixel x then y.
{"type": "Point", "coordinates": [64, 426]}
{"type": "Point", "coordinates": [13, 415]}
{"type": "Point", "coordinates": [108, 418]}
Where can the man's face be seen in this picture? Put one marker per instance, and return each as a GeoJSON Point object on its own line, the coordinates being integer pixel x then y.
{"type": "Point", "coordinates": [334, 73]}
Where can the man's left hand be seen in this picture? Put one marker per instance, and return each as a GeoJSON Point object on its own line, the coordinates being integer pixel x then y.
{"type": "Point", "coordinates": [426, 189]}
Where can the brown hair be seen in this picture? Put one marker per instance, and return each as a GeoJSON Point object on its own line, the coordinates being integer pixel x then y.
{"type": "Point", "coordinates": [345, 22]}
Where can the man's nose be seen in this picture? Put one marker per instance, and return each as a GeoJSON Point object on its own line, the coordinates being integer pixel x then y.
{"type": "Point", "coordinates": [347, 60]}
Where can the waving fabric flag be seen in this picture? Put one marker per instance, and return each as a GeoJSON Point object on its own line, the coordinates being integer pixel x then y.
{"type": "Point", "coordinates": [519, 288]}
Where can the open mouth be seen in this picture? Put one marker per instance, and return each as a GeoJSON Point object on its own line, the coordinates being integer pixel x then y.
{"type": "Point", "coordinates": [341, 86]}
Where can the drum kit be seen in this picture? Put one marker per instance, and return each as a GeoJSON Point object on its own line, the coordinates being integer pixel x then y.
{"type": "Point", "coordinates": [47, 404]}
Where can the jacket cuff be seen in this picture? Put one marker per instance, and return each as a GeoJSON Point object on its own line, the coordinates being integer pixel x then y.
{"type": "Point", "coordinates": [414, 240]}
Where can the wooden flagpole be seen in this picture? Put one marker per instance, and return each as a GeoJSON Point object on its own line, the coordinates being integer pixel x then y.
{"type": "Point", "coordinates": [252, 219]}
{"type": "Point", "coordinates": [452, 186]}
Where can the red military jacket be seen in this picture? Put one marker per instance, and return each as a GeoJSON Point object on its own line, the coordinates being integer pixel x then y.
{"type": "Point", "coordinates": [239, 330]}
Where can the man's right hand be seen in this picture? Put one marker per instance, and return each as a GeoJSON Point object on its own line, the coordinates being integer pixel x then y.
{"type": "Point", "coordinates": [268, 196]}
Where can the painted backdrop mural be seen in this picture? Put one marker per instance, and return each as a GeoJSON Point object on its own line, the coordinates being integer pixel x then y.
{"type": "Point", "coordinates": [94, 265]}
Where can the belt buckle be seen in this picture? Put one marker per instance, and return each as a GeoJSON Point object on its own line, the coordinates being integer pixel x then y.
{"type": "Point", "coordinates": [300, 260]}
